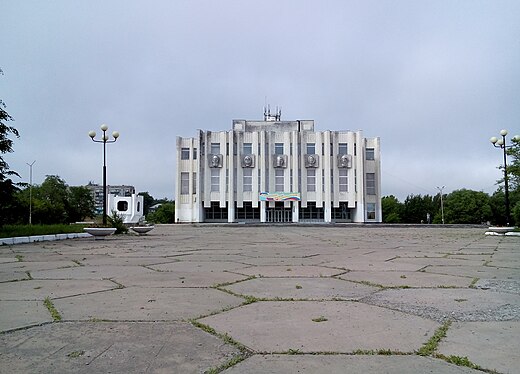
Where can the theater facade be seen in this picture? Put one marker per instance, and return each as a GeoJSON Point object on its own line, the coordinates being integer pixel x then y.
{"type": "Point", "coordinates": [276, 171]}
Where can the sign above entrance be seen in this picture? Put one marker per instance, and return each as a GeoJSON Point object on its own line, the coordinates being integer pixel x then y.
{"type": "Point", "coordinates": [280, 196]}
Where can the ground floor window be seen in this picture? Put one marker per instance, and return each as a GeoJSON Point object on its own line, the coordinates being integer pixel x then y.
{"type": "Point", "coordinates": [342, 213]}
{"type": "Point", "coordinates": [371, 211]}
{"type": "Point", "coordinates": [247, 212]}
{"type": "Point", "coordinates": [311, 212]}
{"type": "Point", "coordinates": [215, 212]}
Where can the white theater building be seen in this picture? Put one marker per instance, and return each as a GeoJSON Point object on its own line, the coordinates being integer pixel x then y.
{"type": "Point", "coordinates": [278, 171]}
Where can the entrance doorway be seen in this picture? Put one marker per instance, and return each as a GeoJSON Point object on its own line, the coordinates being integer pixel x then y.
{"type": "Point", "coordinates": [279, 214]}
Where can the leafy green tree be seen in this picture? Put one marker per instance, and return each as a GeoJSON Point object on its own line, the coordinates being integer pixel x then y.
{"type": "Point", "coordinates": [148, 201]}
{"type": "Point", "coordinates": [392, 209]}
{"type": "Point", "coordinates": [165, 214]}
{"type": "Point", "coordinates": [513, 170]}
{"type": "Point", "coordinates": [467, 206]}
{"type": "Point", "coordinates": [80, 204]}
{"type": "Point", "coordinates": [7, 187]}
{"type": "Point", "coordinates": [50, 201]}
{"type": "Point", "coordinates": [417, 207]}
{"type": "Point", "coordinates": [515, 213]}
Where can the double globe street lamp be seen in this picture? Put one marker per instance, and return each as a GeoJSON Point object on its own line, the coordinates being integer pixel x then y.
{"type": "Point", "coordinates": [501, 143]}
{"type": "Point", "coordinates": [104, 139]}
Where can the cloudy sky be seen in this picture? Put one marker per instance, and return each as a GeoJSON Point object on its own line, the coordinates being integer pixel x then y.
{"type": "Point", "coordinates": [434, 79]}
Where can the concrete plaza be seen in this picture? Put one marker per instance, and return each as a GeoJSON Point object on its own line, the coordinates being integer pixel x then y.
{"type": "Point", "coordinates": [264, 299]}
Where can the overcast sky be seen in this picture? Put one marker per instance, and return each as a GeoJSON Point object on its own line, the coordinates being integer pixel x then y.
{"type": "Point", "coordinates": [433, 79]}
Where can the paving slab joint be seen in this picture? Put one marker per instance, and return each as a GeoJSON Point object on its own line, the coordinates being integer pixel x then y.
{"type": "Point", "coordinates": [463, 361]}
{"type": "Point", "coordinates": [245, 352]}
{"type": "Point", "coordinates": [52, 309]}
{"type": "Point", "coordinates": [431, 345]}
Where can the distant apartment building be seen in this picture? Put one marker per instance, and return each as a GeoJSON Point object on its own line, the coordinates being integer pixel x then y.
{"type": "Point", "coordinates": [97, 194]}
{"type": "Point", "coordinates": [278, 171]}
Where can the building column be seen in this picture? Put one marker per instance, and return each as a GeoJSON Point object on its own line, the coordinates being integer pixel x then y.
{"type": "Point", "coordinates": [295, 211]}
{"type": "Point", "coordinates": [262, 211]}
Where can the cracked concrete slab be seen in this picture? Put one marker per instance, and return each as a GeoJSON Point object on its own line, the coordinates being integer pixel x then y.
{"type": "Point", "coordinates": [113, 348]}
{"type": "Point", "coordinates": [329, 326]}
{"type": "Point", "coordinates": [491, 345]}
{"type": "Point", "coordinates": [456, 304]}
{"type": "Point", "coordinates": [15, 314]}
{"type": "Point", "coordinates": [290, 271]}
{"type": "Point", "coordinates": [145, 304]}
{"type": "Point", "coordinates": [341, 364]}
{"type": "Point", "coordinates": [180, 279]}
{"type": "Point", "coordinates": [91, 272]}
{"type": "Point", "coordinates": [487, 272]}
{"type": "Point", "coordinates": [302, 288]}
{"type": "Point", "coordinates": [39, 289]}
{"type": "Point", "coordinates": [199, 266]}
{"type": "Point", "coordinates": [407, 279]}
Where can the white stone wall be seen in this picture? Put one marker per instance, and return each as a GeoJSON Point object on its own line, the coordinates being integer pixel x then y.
{"type": "Point", "coordinates": [190, 207]}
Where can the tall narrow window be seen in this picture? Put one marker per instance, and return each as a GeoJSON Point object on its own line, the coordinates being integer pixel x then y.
{"type": "Point", "coordinates": [371, 211]}
{"type": "Point", "coordinates": [342, 148]}
{"type": "Point", "coordinates": [278, 148]}
{"type": "Point", "coordinates": [194, 183]}
{"type": "Point", "coordinates": [215, 148]}
{"type": "Point", "coordinates": [185, 153]}
{"type": "Point", "coordinates": [279, 180]}
{"type": "Point", "coordinates": [247, 148]}
{"type": "Point", "coordinates": [369, 153]}
{"type": "Point", "coordinates": [185, 181]}
{"type": "Point", "coordinates": [194, 153]}
{"type": "Point", "coordinates": [371, 183]}
{"type": "Point", "coordinates": [311, 180]}
{"type": "Point", "coordinates": [215, 180]}
{"type": "Point", "coordinates": [311, 148]}
{"type": "Point", "coordinates": [343, 180]}
{"type": "Point", "coordinates": [248, 180]}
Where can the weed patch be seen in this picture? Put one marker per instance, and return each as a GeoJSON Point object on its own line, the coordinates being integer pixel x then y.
{"type": "Point", "coordinates": [431, 345]}
{"type": "Point", "coordinates": [52, 310]}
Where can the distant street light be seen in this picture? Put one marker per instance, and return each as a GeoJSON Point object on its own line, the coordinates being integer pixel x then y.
{"type": "Point", "coordinates": [104, 140]}
{"type": "Point", "coordinates": [442, 203]}
{"type": "Point", "coordinates": [501, 143]}
{"type": "Point", "coordinates": [30, 191]}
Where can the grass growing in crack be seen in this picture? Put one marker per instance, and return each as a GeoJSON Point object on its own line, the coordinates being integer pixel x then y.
{"type": "Point", "coordinates": [226, 365]}
{"type": "Point", "coordinates": [378, 352]}
{"type": "Point", "coordinates": [320, 319]}
{"type": "Point", "coordinates": [19, 258]}
{"type": "Point", "coordinates": [298, 287]}
{"type": "Point", "coordinates": [464, 361]}
{"type": "Point", "coordinates": [431, 345]}
{"type": "Point", "coordinates": [473, 282]}
{"type": "Point", "coordinates": [29, 275]}
{"type": "Point", "coordinates": [76, 354]}
{"type": "Point", "coordinates": [244, 351]}
{"type": "Point", "coordinates": [52, 310]}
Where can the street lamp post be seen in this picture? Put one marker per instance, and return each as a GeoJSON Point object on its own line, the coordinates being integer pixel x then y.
{"type": "Point", "coordinates": [501, 143]}
{"type": "Point", "coordinates": [442, 203]}
{"type": "Point", "coordinates": [30, 190]}
{"type": "Point", "coordinates": [104, 140]}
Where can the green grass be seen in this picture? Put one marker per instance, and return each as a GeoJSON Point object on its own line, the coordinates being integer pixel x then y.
{"type": "Point", "coordinates": [10, 231]}
{"type": "Point", "coordinates": [52, 310]}
{"type": "Point", "coordinates": [431, 345]}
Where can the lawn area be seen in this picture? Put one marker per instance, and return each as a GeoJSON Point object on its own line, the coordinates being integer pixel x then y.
{"type": "Point", "coordinates": [9, 231]}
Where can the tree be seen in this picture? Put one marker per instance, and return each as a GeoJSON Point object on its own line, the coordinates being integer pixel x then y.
{"type": "Point", "coordinates": [417, 207]}
{"type": "Point", "coordinates": [50, 201]}
{"type": "Point", "coordinates": [467, 206]}
{"type": "Point", "coordinates": [7, 187]}
{"type": "Point", "coordinates": [392, 209]}
{"type": "Point", "coordinates": [80, 204]}
{"type": "Point", "coordinates": [165, 214]}
{"type": "Point", "coordinates": [148, 201]}
{"type": "Point", "coordinates": [513, 170]}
